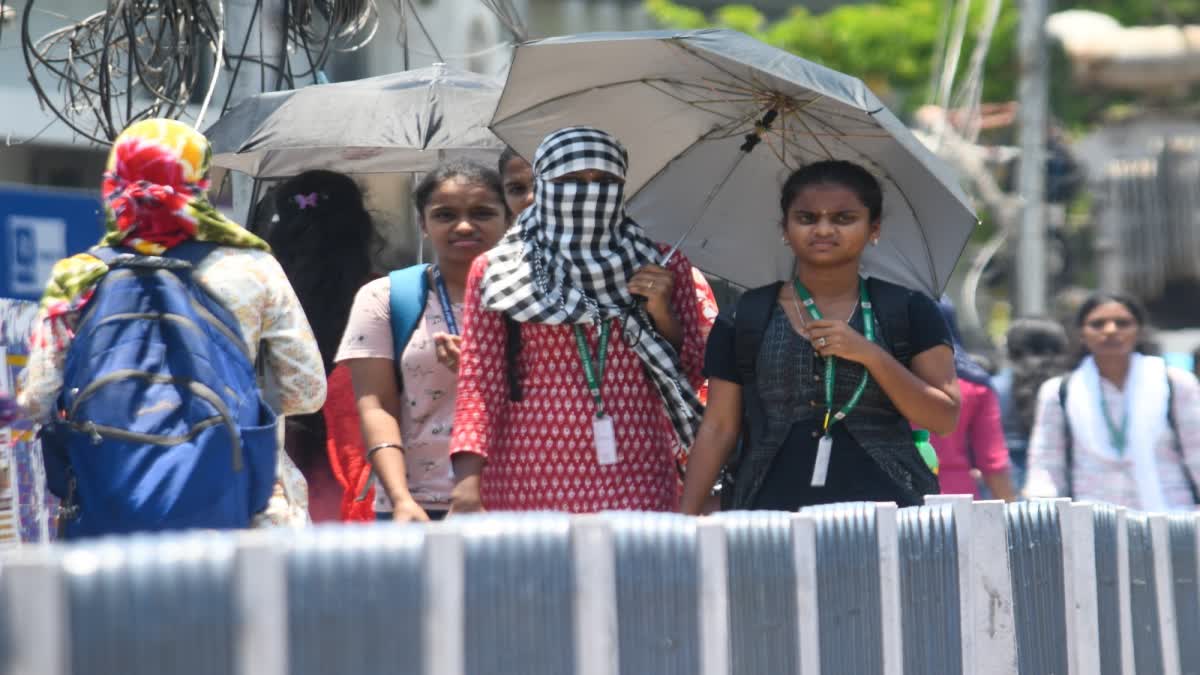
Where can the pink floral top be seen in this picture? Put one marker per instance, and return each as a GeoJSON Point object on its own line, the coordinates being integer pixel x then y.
{"type": "Point", "coordinates": [428, 390]}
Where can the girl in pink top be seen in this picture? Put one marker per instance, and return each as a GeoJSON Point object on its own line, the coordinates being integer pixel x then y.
{"type": "Point", "coordinates": [407, 408]}
{"type": "Point", "coordinates": [978, 441]}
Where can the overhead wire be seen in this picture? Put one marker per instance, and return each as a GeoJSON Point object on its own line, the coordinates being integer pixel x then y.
{"type": "Point", "coordinates": [144, 58]}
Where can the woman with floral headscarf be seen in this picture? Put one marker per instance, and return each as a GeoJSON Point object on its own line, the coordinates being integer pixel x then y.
{"type": "Point", "coordinates": [573, 392]}
{"type": "Point", "coordinates": [154, 198]}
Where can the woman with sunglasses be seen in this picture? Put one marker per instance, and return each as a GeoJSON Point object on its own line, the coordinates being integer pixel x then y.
{"type": "Point", "coordinates": [1122, 428]}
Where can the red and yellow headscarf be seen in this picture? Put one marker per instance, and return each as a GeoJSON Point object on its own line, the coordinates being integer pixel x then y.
{"type": "Point", "coordinates": [154, 198]}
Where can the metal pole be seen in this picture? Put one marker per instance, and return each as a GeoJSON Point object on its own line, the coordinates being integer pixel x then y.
{"type": "Point", "coordinates": [1108, 243]}
{"type": "Point", "coordinates": [257, 24]}
{"type": "Point", "coordinates": [1033, 94]}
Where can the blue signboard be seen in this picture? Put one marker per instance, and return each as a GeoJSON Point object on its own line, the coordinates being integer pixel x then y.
{"type": "Point", "coordinates": [37, 228]}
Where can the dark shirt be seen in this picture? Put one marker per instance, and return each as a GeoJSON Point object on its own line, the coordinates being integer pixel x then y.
{"type": "Point", "coordinates": [791, 388]}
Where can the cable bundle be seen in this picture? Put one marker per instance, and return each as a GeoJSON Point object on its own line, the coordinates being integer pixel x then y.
{"type": "Point", "coordinates": [144, 58]}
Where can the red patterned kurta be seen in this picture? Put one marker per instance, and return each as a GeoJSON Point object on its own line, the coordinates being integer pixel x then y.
{"type": "Point", "coordinates": [540, 451]}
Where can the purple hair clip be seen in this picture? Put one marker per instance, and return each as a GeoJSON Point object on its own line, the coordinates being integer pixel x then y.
{"type": "Point", "coordinates": [305, 201]}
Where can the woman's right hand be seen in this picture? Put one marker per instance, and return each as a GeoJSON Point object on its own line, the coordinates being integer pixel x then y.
{"type": "Point", "coordinates": [465, 498]}
{"type": "Point", "coordinates": [408, 511]}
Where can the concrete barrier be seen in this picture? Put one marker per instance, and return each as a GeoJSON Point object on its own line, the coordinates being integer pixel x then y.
{"type": "Point", "coordinates": [953, 587]}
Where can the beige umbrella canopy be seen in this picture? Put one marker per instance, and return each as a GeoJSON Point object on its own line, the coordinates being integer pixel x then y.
{"type": "Point", "coordinates": [714, 121]}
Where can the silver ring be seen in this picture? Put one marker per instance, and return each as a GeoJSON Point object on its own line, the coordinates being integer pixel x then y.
{"type": "Point", "coordinates": [821, 342]}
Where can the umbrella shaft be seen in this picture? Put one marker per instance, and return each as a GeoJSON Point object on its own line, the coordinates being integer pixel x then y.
{"type": "Point", "coordinates": [712, 195]}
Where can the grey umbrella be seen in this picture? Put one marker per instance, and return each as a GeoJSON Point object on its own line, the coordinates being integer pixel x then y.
{"type": "Point", "coordinates": [405, 122]}
{"type": "Point", "coordinates": [714, 121]}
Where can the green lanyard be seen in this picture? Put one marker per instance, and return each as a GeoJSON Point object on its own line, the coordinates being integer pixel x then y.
{"type": "Point", "coordinates": [1116, 435]}
{"type": "Point", "coordinates": [594, 374]}
{"type": "Point", "coordinates": [830, 366]}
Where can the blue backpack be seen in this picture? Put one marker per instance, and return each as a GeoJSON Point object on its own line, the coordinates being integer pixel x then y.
{"type": "Point", "coordinates": [406, 304]}
{"type": "Point", "coordinates": [161, 425]}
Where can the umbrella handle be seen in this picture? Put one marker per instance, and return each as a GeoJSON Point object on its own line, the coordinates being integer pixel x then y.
{"type": "Point", "coordinates": [760, 127]}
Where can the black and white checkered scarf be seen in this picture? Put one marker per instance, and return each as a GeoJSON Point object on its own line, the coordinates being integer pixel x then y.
{"type": "Point", "coordinates": [569, 258]}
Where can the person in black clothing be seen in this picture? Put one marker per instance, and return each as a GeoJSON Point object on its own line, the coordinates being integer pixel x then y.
{"type": "Point", "coordinates": [767, 368]}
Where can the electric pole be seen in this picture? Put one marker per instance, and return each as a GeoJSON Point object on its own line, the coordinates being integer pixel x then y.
{"type": "Point", "coordinates": [1033, 94]}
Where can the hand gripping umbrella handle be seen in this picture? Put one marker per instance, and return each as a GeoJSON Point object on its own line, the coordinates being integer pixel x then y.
{"type": "Point", "coordinates": [751, 141]}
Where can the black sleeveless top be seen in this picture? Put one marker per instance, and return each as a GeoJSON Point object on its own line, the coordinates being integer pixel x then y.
{"type": "Point", "coordinates": [873, 457]}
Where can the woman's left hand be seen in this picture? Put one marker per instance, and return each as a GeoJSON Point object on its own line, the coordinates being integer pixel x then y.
{"type": "Point", "coordinates": [656, 284]}
{"type": "Point", "coordinates": [838, 338]}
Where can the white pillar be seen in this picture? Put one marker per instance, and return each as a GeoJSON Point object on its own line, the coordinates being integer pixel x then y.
{"type": "Point", "coordinates": [808, 614]}
{"type": "Point", "coordinates": [445, 592]}
{"type": "Point", "coordinates": [36, 609]}
{"type": "Point", "coordinates": [890, 615]}
{"type": "Point", "coordinates": [260, 596]}
{"type": "Point", "coordinates": [596, 629]}
{"type": "Point", "coordinates": [1079, 586]}
{"type": "Point", "coordinates": [989, 637]}
{"type": "Point", "coordinates": [714, 597]}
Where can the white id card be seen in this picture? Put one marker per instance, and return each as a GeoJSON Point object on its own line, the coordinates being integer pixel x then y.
{"type": "Point", "coordinates": [606, 440]}
{"type": "Point", "coordinates": [821, 466]}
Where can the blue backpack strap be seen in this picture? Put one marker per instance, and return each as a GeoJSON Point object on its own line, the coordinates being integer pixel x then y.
{"type": "Point", "coordinates": [106, 254]}
{"type": "Point", "coordinates": [191, 251]}
{"type": "Point", "coordinates": [406, 303]}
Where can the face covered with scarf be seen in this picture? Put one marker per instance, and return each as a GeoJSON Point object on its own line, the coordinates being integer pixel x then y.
{"type": "Point", "coordinates": [572, 253]}
{"type": "Point", "coordinates": [154, 198]}
{"type": "Point", "coordinates": [574, 250]}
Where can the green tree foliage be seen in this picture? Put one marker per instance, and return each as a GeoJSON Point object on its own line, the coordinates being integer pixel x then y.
{"type": "Point", "coordinates": [892, 44]}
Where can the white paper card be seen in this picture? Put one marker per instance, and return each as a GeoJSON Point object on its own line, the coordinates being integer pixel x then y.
{"type": "Point", "coordinates": [606, 440]}
{"type": "Point", "coordinates": [821, 466]}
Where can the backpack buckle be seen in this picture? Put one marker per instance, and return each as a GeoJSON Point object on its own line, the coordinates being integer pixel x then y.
{"type": "Point", "coordinates": [68, 509]}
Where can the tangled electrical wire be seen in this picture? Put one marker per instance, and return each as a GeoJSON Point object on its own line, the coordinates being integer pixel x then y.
{"type": "Point", "coordinates": [148, 58]}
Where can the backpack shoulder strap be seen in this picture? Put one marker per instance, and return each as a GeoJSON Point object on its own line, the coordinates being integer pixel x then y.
{"type": "Point", "coordinates": [890, 303]}
{"type": "Point", "coordinates": [180, 258]}
{"type": "Point", "coordinates": [1068, 437]}
{"type": "Point", "coordinates": [406, 304]}
{"type": "Point", "coordinates": [749, 325]}
{"type": "Point", "coordinates": [1173, 423]}
{"type": "Point", "coordinates": [105, 254]}
{"type": "Point", "coordinates": [191, 251]}
{"type": "Point", "coordinates": [512, 350]}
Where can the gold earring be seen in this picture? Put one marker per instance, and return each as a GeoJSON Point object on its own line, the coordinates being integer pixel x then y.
{"type": "Point", "coordinates": [875, 242]}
